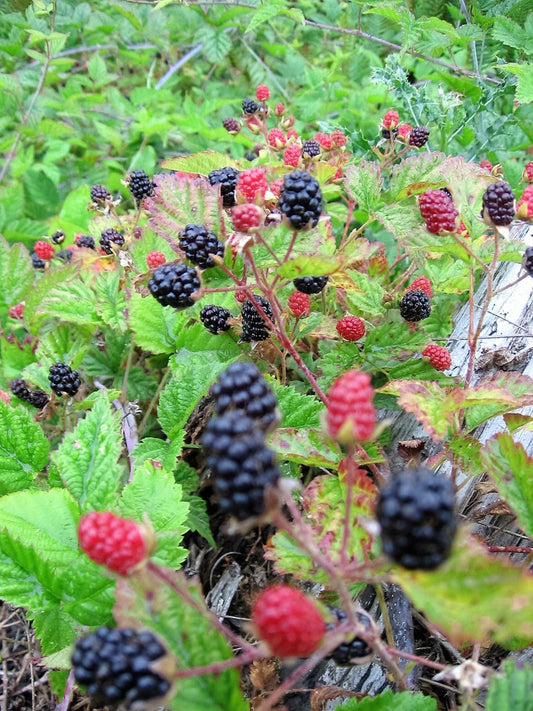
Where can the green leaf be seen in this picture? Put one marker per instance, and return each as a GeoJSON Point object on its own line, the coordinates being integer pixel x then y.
{"type": "Point", "coordinates": [422, 169]}
{"type": "Point", "coordinates": [512, 690]}
{"type": "Point", "coordinates": [388, 700]}
{"type": "Point", "coordinates": [111, 301]}
{"type": "Point", "coordinates": [154, 493]}
{"type": "Point", "coordinates": [63, 342]}
{"type": "Point", "coordinates": [512, 35]}
{"type": "Point", "coordinates": [198, 518]}
{"type": "Point", "coordinates": [524, 89]}
{"type": "Point", "coordinates": [87, 459]}
{"type": "Point", "coordinates": [305, 446]}
{"type": "Point", "coordinates": [153, 325]}
{"type": "Point", "coordinates": [497, 395]}
{"type": "Point", "coordinates": [158, 450]}
{"type": "Point", "coordinates": [72, 301]}
{"type": "Point", "coordinates": [364, 294]}
{"type": "Point", "coordinates": [190, 634]}
{"type": "Point", "coordinates": [474, 596]}
{"type": "Point", "coordinates": [363, 183]}
{"type": "Point", "coordinates": [316, 265]}
{"type": "Point", "coordinates": [216, 43]}
{"type": "Point", "coordinates": [509, 465]}
{"type": "Point", "coordinates": [40, 291]}
{"type": "Point", "coordinates": [23, 449]}
{"type": "Point", "coordinates": [201, 163]}
{"type": "Point", "coordinates": [16, 273]}
{"type": "Point", "coordinates": [265, 13]}
{"type": "Point", "coordinates": [297, 410]}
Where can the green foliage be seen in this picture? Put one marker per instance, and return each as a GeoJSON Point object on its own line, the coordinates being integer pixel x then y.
{"type": "Point", "coordinates": [23, 449]}
{"type": "Point", "coordinates": [512, 690]}
{"type": "Point", "coordinates": [404, 701]}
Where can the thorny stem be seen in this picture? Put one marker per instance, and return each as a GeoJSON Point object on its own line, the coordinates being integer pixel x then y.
{"type": "Point", "coordinates": [415, 658]}
{"type": "Point", "coordinates": [351, 208]}
{"type": "Point", "coordinates": [510, 549]}
{"type": "Point", "coordinates": [511, 284]}
{"type": "Point", "coordinates": [217, 667]}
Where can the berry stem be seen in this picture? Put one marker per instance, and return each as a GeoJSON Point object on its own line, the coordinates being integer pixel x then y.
{"type": "Point", "coordinates": [349, 481]}
{"type": "Point", "coordinates": [217, 667]}
{"type": "Point", "coordinates": [64, 704]}
{"type": "Point", "coordinates": [414, 658]}
{"type": "Point", "coordinates": [510, 549]}
{"type": "Point", "coordinates": [385, 614]}
{"type": "Point", "coordinates": [351, 208]}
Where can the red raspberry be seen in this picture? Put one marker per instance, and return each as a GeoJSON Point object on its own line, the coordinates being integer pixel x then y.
{"type": "Point", "coordinates": [324, 140]}
{"type": "Point", "coordinates": [338, 138]}
{"type": "Point", "coordinates": [524, 207]}
{"type": "Point", "coordinates": [462, 231]}
{"type": "Point", "coordinates": [279, 109]}
{"type": "Point", "coordinates": [350, 414]}
{"type": "Point", "coordinates": [262, 92]}
{"type": "Point", "coordinates": [438, 356]}
{"type": "Point", "coordinates": [421, 284]}
{"type": "Point", "coordinates": [438, 211]}
{"type": "Point", "coordinates": [351, 328]}
{"type": "Point", "coordinates": [17, 310]}
{"type": "Point", "coordinates": [276, 138]}
{"type": "Point", "coordinates": [117, 543]}
{"type": "Point", "coordinates": [44, 250]}
{"type": "Point", "coordinates": [390, 120]}
{"type": "Point", "coordinates": [155, 259]}
{"type": "Point", "coordinates": [252, 184]}
{"type": "Point", "coordinates": [299, 303]}
{"type": "Point", "coordinates": [528, 173]}
{"type": "Point", "coordinates": [241, 296]}
{"type": "Point", "coordinates": [246, 217]}
{"type": "Point", "coordinates": [485, 164]}
{"type": "Point", "coordinates": [292, 155]}
{"type": "Point", "coordinates": [288, 621]}
{"type": "Point", "coordinates": [404, 129]}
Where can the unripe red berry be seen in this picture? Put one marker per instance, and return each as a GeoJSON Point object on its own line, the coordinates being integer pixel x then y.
{"type": "Point", "coordinates": [155, 259]}
{"type": "Point", "coordinates": [252, 184]}
{"type": "Point", "coordinates": [246, 217]}
{"type": "Point", "coordinates": [118, 543]}
{"type": "Point", "coordinates": [276, 138]}
{"type": "Point", "coordinates": [404, 129]}
{"type": "Point", "coordinates": [324, 140]}
{"type": "Point", "coordinates": [292, 155]}
{"type": "Point", "coordinates": [338, 138]}
{"type": "Point", "coordinates": [528, 172]}
{"type": "Point", "coordinates": [390, 120]}
{"type": "Point", "coordinates": [44, 250]}
{"type": "Point", "coordinates": [299, 304]}
{"type": "Point", "coordinates": [350, 411]}
{"type": "Point", "coordinates": [485, 164]}
{"type": "Point", "coordinates": [17, 310]}
{"type": "Point", "coordinates": [524, 207]}
{"type": "Point", "coordinates": [421, 284]}
{"type": "Point", "coordinates": [351, 328]}
{"type": "Point", "coordinates": [438, 356]}
{"type": "Point", "coordinates": [279, 109]}
{"type": "Point", "coordinates": [262, 92]}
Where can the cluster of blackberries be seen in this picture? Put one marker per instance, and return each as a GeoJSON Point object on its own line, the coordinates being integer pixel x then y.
{"type": "Point", "coordinates": [36, 398]}
{"type": "Point", "coordinates": [174, 285]}
{"type": "Point", "coordinates": [64, 380]}
{"type": "Point", "coordinates": [227, 179]}
{"type": "Point", "coordinates": [300, 199]}
{"type": "Point", "coordinates": [416, 511]}
{"type": "Point", "coordinates": [234, 441]}
{"type": "Point", "coordinates": [117, 665]}
{"type": "Point", "coordinates": [254, 326]}
{"type": "Point", "coordinates": [356, 650]}
{"type": "Point", "coordinates": [199, 243]}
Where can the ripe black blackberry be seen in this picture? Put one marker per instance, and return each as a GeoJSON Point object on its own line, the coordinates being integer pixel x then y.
{"type": "Point", "coordinates": [20, 389]}
{"type": "Point", "coordinates": [311, 148]}
{"type": "Point", "coordinates": [386, 133]}
{"type": "Point", "coordinates": [174, 285]}
{"type": "Point", "coordinates": [85, 241]}
{"type": "Point", "coordinates": [249, 107]}
{"type": "Point", "coordinates": [310, 284]}
{"type": "Point", "coordinates": [99, 194]}
{"type": "Point", "coordinates": [498, 204]}
{"type": "Point", "coordinates": [140, 185]}
{"type": "Point", "coordinates": [215, 318]}
{"type": "Point", "coordinates": [64, 380]}
{"type": "Point", "coordinates": [356, 651]}
{"type": "Point", "coordinates": [37, 262]}
{"type": "Point", "coordinates": [419, 136]}
{"type": "Point", "coordinates": [38, 398]}
{"type": "Point", "coordinates": [300, 199]}
{"type": "Point", "coordinates": [227, 179]}
{"type": "Point", "coordinates": [415, 306]}
{"type": "Point", "coordinates": [242, 387]}
{"type": "Point", "coordinates": [231, 125]}
{"type": "Point", "coordinates": [58, 237]}
{"type": "Point", "coordinates": [528, 261]}
{"type": "Point", "coordinates": [254, 327]}
{"type": "Point", "coordinates": [416, 511]}
{"type": "Point", "coordinates": [65, 255]}
{"type": "Point", "coordinates": [241, 463]}
{"type": "Point", "coordinates": [198, 243]}
{"type": "Point", "coordinates": [116, 665]}
{"type": "Point", "coordinates": [109, 237]}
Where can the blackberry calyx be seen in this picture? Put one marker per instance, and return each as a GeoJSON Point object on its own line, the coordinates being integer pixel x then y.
{"type": "Point", "coordinates": [174, 285]}
{"type": "Point", "coordinates": [310, 284]}
{"type": "Point", "coordinates": [215, 318]}
{"type": "Point", "coordinates": [415, 306]}
{"type": "Point", "coordinates": [199, 243]}
{"type": "Point", "coordinates": [227, 179]}
{"type": "Point", "coordinates": [64, 380]}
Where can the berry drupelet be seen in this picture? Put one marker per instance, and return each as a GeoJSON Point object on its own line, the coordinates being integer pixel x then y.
{"type": "Point", "coordinates": [300, 199]}
{"type": "Point", "coordinates": [416, 512]}
{"type": "Point", "coordinates": [415, 306]}
{"type": "Point", "coordinates": [227, 179]}
{"type": "Point", "coordinates": [116, 665]}
{"type": "Point", "coordinates": [64, 380]}
{"type": "Point", "coordinates": [110, 237]}
{"type": "Point", "coordinates": [310, 284]}
{"type": "Point", "coordinates": [140, 185]}
{"type": "Point", "coordinates": [498, 204]}
{"type": "Point", "coordinates": [215, 319]}
{"type": "Point", "coordinates": [199, 243]}
{"type": "Point", "coordinates": [174, 285]}
{"type": "Point", "coordinates": [254, 327]}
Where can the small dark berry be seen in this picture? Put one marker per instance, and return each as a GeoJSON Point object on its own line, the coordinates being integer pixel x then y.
{"type": "Point", "coordinates": [174, 285]}
{"type": "Point", "coordinates": [199, 243]}
{"type": "Point", "coordinates": [415, 306]}
{"type": "Point", "coordinates": [310, 284]}
{"type": "Point", "coordinates": [227, 179]}
{"type": "Point", "coordinates": [215, 318]}
{"type": "Point", "coordinates": [64, 380]}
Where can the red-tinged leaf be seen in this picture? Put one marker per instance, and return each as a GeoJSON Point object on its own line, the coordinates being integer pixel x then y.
{"type": "Point", "coordinates": [474, 597]}
{"type": "Point", "coordinates": [433, 406]}
{"type": "Point", "coordinates": [509, 465]}
{"type": "Point", "coordinates": [467, 183]}
{"type": "Point", "coordinates": [497, 395]}
{"type": "Point", "coordinates": [363, 183]}
{"type": "Point", "coordinates": [202, 163]}
{"type": "Point", "coordinates": [306, 446]}
{"type": "Point", "coordinates": [516, 421]}
{"type": "Point", "coordinates": [424, 167]}
{"type": "Point", "coordinates": [417, 189]}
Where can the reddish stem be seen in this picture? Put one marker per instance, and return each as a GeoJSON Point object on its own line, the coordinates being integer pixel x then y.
{"type": "Point", "coordinates": [510, 549]}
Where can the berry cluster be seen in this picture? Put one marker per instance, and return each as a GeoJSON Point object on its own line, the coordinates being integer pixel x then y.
{"type": "Point", "coordinates": [299, 304]}
{"type": "Point", "coordinates": [310, 284]}
{"type": "Point", "coordinates": [174, 285]}
{"type": "Point", "coordinates": [85, 241]}
{"type": "Point", "coordinates": [44, 250]}
{"type": "Point", "coordinates": [351, 328]}
{"type": "Point", "coordinates": [99, 195]}
{"type": "Point", "coordinates": [227, 179]}
{"type": "Point", "coordinates": [524, 207]}
{"type": "Point", "coordinates": [64, 380]}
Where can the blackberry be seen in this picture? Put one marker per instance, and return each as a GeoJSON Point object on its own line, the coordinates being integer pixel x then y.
{"type": "Point", "coordinates": [109, 237]}
{"type": "Point", "coordinates": [58, 237]}
{"type": "Point", "coordinates": [173, 285]}
{"type": "Point", "coordinates": [386, 133]}
{"type": "Point", "coordinates": [99, 194]}
{"type": "Point", "coordinates": [528, 261]}
{"type": "Point", "coordinates": [37, 262]}
{"type": "Point", "coordinates": [311, 148]}
{"type": "Point", "coordinates": [416, 511]}
{"type": "Point", "coordinates": [65, 255]}
{"type": "Point", "coordinates": [116, 665]}
{"type": "Point", "coordinates": [498, 204]}
{"type": "Point", "coordinates": [63, 379]}
{"type": "Point", "coordinates": [356, 650]}
{"type": "Point", "coordinates": [20, 389]}
{"type": "Point", "coordinates": [231, 125]}
{"type": "Point", "coordinates": [254, 327]}
{"type": "Point", "coordinates": [242, 387]}
{"type": "Point", "coordinates": [85, 241]}
{"type": "Point", "coordinates": [310, 284]}
{"type": "Point", "coordinates": [249, 107]}
{"type": "Point", "coordinates": [215, 318]}
{"type": "Point", "coordinates": [198, 243]}
{"type": "Point", "coordinates": [227, 179]}
{"type": "Point", "coordinates": [419, 136]}
{"type": "Point", "coordinates": [38, 398]}
{"type": "Point", "coordinates": [300, 199]}
{"type": "Point", "coordinates": [140, 185]}
{"type": "Point", "coordinates": [241, 463]}
{"type": "Point", "coordinates": [415, 306]}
